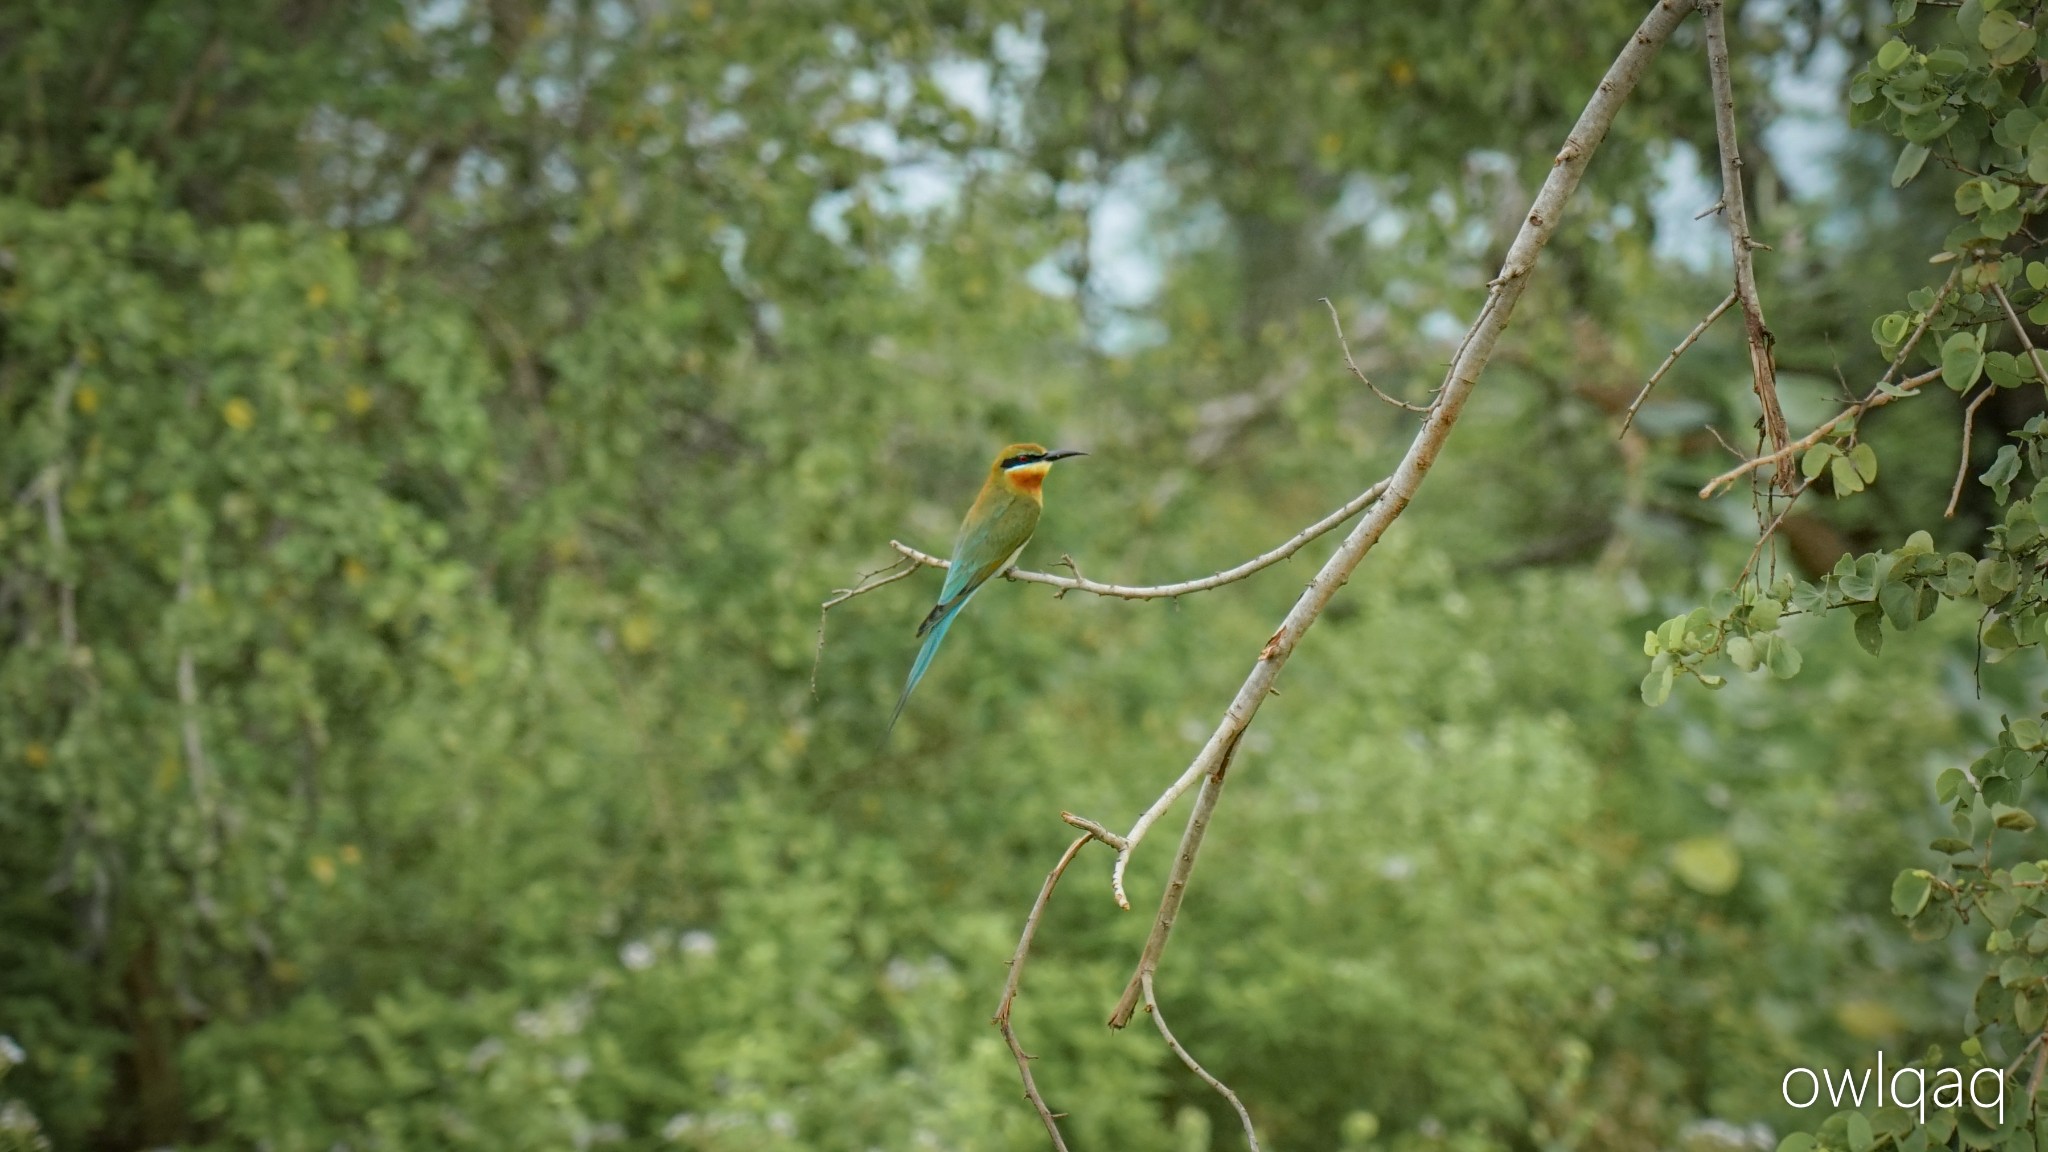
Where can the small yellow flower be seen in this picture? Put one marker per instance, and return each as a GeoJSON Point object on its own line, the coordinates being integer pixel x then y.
{"type": "Point", "coordinates": [351, 855]}
{"type": "Point", "coordinates": [354, 573]}
{"type": "Point", "coordinates": [35, 755]}
{"type": "Point", "coordinates": [356, 399]}
{"type": "Point", "coordinates": [88, 400]}
{"type": "Point", "coordinates": [1401, 73]}
{"type": "Point", "coordinates": [322, 868]}
{"type": "Point", "coordinates": [317, 295]}
{"type": "Point", "coordinates": [239, 414]}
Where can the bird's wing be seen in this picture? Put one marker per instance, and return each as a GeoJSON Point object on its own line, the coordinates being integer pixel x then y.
{"type": "Point", "coordinates": [997, 531]}
{"type": "Point", "coordinates": [988, 544]}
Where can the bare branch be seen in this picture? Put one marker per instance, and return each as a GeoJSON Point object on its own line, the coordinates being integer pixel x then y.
{"type": "Point", "coordinates": [1002, 1016]}
{"type": "Point", "coordinates": [1176, 883]}
{"type": "Point", "coordinates": [1250, 567]}
{"type": "Point", "coordinates": [1771, 529]}
{"type": "Point", "coordinates": [1955, 494]}
{"type": "Point", "coordinates": [1471, 359]}
{"type": "Point", "coordinates": [1884, 393]}
{"type": "Point", "coordinates": [1353, 364]}
{"type": "Point", "coordinates": [2020, 330]}
{"type": "Point", "coordinates": [1691, 337]}
{"type": "Point", "coordinates": [1251, 1137]}
{"type": "Point", "coordinates": [1763, 370]}
{"type": "Point", "coordinates": [841, 596]}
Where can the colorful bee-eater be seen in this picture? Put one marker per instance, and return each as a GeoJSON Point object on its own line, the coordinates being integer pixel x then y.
{"type": "Point", "coordinates": [992, 536]}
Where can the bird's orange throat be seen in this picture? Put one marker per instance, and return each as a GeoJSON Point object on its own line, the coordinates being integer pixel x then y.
{"type": "Point", "coordinates": [1028, 479]}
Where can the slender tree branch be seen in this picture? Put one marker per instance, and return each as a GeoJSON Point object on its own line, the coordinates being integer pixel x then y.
{"type": "Point", "coordinates": [1955, 494]}
{"type": "Point", "coordinates": [1002, 1016]}
{"type": "Point", "coordinates": [1251, 1137]}
{"type": "Point", "coordinates": [1763, 370]}
{"type": "Point", "coordinates": [1698, 331]}
{"type": "Point", "coordinates": [866, 583]}
{"type": "Point", "coordinates": [1176, 884]}
{"type": "Point", "coordinates": [1167, 591]}
{"type": "Point", "coordinates": [1504, 291]}
{"type": "Point", "coordinates": [1884, 393]}
{"type": "Point", "coordinates": [1353, 364]}
{"type": "Point", "coordinates": [2020, 330]}
{"type": "Point", "coordinates": [1771, 529]}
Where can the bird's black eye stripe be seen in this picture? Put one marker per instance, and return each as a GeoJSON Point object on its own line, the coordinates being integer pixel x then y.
{"type": "Point", "coordinates": [1023, 458]}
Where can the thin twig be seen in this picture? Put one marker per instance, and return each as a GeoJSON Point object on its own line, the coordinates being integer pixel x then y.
{"type": "Point", "coordinates": [1955, 494]}
{"type": "Point", "coordinates": [1353, 364]}
{"type": "Point", "coordinates": [1699, 330]}
{"type": "Point", "coordinates": [1251, 1137]}
{"type": "Point", "coordinates": [1763, 370]}
{"type": "Point", "coordinates": [1010, 985]}
{"type": "Point", "coordinates": [2020, 330]}
{"type": "Point", "coordinates": [1770, 529]}
{"type": "Point", "coordinates": [841, 596]}
{"type": "Point", "coordinates": [1167, 591]}
{"type": "Point", "coordinates": [1176, 883]}
{"type": "Point", "coordinates": [1877, 397]}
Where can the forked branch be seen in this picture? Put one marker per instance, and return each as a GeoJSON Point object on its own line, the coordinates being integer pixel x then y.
{"type": "Point", "coordinates": [1883, 393]}
{"type": "Point", "coordinates": [1762, 366]}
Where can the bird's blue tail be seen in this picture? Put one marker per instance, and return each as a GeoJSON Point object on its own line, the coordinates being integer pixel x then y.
{"type": "Point", "coordinates": [932, 638]}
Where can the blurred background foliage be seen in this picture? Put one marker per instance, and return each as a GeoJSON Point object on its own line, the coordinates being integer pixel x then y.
{"type": "Point", "coordinates": [427, 431]}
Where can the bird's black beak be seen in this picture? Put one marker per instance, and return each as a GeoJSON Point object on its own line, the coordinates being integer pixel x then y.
{"type": "Point", "coordinates": [1062, 454]}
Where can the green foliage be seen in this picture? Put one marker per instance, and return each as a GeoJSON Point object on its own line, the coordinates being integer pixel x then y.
{"type": "Point", "coordinates": [426, 432]}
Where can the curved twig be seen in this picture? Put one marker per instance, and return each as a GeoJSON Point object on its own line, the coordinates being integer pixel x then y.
{"type": "Point", "coordinates": [1355, 370]}
{"type": "Point", "coordinates": [866, 583]}
{"type": "Point", "coordinates": [1001, 1019]}
{"type": "Point", "coordinates": [1251, 1137]}
{"type": "Point", "coordinates": [1250, 567]}
{"type": "Point", "coordinates": [1955, 494]}
{"type": "Point", "coordinates": [1691, 337]}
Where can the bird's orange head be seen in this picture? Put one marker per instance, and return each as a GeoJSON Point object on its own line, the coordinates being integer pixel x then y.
{"type": "Point", "coordinates": [1022, 467]}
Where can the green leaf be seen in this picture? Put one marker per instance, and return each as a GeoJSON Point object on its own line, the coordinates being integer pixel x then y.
{"type": "Point", "coordinates": [2014, 50]}
{"type": "Point", "coordinates": [1870, 631]}
{"type": "Point", "coordinates": [1817, 458]}
{"type": "Point", "coordinates": [1847, 481]}
{"type": "Point", "coordinates": [1911, 159]}
{"type": "Point", "coordinates": [1781, 657]}
{"type": "Point", "coordinates": [1910, 893]}
{"type": "Point", "coordinates": [1657, 686]}
{"type": "Point", "coordinates": [1864, 458]}
{"type": "Point", "coordinates": [1997, 30]}
{"type": "Point", "coordinates": [1949, 785]}
{"type": "Point", "coordinates": [2000, 475]}
{"type": "Point", "coordinates": [1893, 54]}
{"type": "Point", "coordinates": [1858, 1131]}
{"type": "Point", "coordinates": [1951, 846]}
{"type": "Point", "coordinates": [1742, 653]}
{"type": "Point", "coordinates": [1918, 544]}
{"type": "Point", "coordinates": [2015, 820]}
{"type": "Point", "coordinates": [1962, 359]}
{"type": "Point", "coordinates": [1797, 1142]}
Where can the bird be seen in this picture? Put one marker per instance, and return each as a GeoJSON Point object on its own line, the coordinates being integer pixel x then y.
{"type": "Point", "coordinates": [992, 536]}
